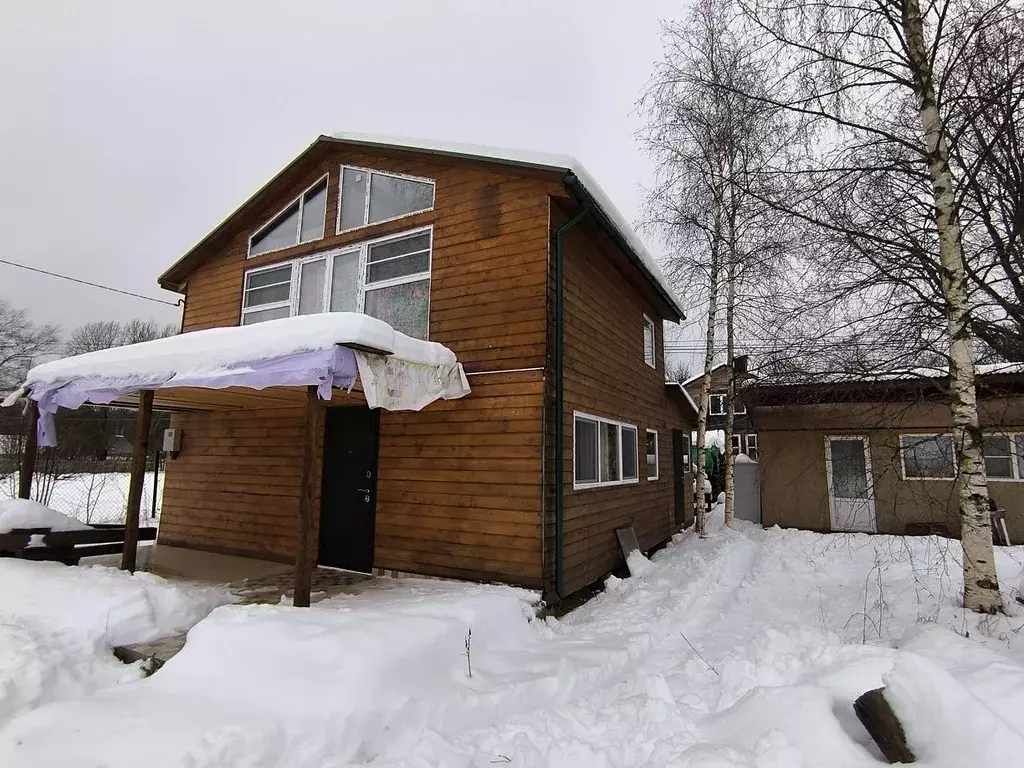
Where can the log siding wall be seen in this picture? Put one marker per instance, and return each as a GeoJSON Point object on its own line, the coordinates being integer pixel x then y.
{"type": "Point", "coordinates": [606, 375]}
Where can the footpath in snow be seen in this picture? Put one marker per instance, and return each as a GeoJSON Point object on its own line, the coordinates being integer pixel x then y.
{"type": "Point", "coordinates": [742, 650]}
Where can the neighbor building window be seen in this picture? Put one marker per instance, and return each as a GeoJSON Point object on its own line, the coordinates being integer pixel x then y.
{"type": "Point", "coordinates": [717, 404]}
{"type": "Point", "coordinates": [652, 454]}
{"type": "Point", "coordinates": [301, 221]}
{"type": "Point", "coordinates": [605, 452]}
{"type": "Point", "coordinates": [927, 457]}
{"type": "Point", "coordinates": [370, 197]}
{"type": "Point", "coordinates": [737, 444]}
{"type": "Point", "coordinates": [387, 278]}
{"type": "Point", "coordinates": [1004, 456]}
{"type": "Point", "coordinates": [649, 342]}
{"type": "Point", "coordinates": [752, 446]}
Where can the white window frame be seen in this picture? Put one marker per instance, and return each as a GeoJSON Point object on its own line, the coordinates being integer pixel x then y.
{"type": "Point", "coordinates": [364, 252]}
{"type": "Point", "coordinates": [737, 443]}
{"type": "Point", "coordinates": [366, 203]}
{"type": "Point", "coordinates": [903, 459]}
{"type": "Point", "coordinates": [653, 361]}
{"type": "Point", "coordinates": [1014, 459]}
{"type": "Point", "coordinates": [711, 400]}
{"type": "Point", "coordinates": [599, 420]}
{"type": "Point", "coordinates": [292, 298]}
{"type": "Point", "coordinates": [747, 439]}
{"type": "Point", "coordinates": [326, 180]}
{"type": "Point", "coordinates": [657, 457]}
{"type": "Point", "coordinates": [687, 459]}
{"type": "Point", "coordinates": [738, 409]}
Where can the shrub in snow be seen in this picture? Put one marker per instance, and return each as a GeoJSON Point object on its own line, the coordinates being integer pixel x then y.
{"type": "Point", "coordinates": [25, 513]}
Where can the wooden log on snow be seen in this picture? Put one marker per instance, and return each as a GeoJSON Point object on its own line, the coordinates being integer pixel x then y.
{"type": "Point", "coordinates": [883, 726]}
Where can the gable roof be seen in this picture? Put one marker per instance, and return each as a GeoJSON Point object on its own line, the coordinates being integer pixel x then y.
{"type": "Point", "coordinates": [574, 176]}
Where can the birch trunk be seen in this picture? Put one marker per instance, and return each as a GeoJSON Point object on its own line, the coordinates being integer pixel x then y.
{"type": "Point", "coordinates": [730, 400]}
{"type": "Point", "coordinates": [700, 506]}
{"type": "Point", "coordinates": [981, 586]}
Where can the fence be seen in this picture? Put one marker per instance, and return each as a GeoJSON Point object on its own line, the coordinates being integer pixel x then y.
{"type": "Point", "coordinates": [86, 476]}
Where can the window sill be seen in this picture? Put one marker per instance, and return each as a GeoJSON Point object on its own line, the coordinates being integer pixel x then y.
{"type": "Point", "coordinates": [611, 484]}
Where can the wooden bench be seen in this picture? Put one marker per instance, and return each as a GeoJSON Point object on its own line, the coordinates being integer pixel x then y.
{"type": "Point", "coordinates": [67, 547]}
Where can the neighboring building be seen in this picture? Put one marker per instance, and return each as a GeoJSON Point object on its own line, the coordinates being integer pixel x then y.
{"type": "Point", "coordinates": [744, 436]}
{"type": "Point", "coordinates": [461, 245]}
{"type": "Point", "coordinates": [877, 456]}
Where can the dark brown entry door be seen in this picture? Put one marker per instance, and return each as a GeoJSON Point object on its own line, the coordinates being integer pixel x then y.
{"type": "Point", "coordinates": [348, 502]}
{"type": "Point", "coordinates": [678, 467]}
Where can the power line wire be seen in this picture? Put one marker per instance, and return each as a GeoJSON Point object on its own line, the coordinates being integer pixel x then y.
{"type": "Point", "coordinates": [86, 282]}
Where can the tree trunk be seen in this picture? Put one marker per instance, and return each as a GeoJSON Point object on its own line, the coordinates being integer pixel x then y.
{"type": "Point", "coordinates": [700, 512]}
{"type": "Point", "coordinates": [981, 586]}
{"type": "Point", "coordinates": [730, 341]}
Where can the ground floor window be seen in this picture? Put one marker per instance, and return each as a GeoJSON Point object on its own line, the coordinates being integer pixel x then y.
{"type": "Point", "coordinates": [752, 446]}
{"type": "Point", "coordinates": [652, 454]}
{"type": "Point", "coordinates": [604, 452]}
{"type": "Point", "coordinates": [1004, 456]}
{"type": "Point", "coordinates": [927, 457]}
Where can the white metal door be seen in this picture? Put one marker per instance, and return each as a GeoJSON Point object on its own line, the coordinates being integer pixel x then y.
{"type": "Point", "coordinates": [851, 494]}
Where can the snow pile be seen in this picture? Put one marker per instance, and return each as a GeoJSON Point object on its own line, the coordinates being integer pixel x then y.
{"type": "Point", "coordinates": [25, 513]}
{"type": "Point", "coordinates": [58, 623]}
{"type": "Point", "coordinates": [275, 685]}
{"type": "Point", "coordinates": [745, 649]}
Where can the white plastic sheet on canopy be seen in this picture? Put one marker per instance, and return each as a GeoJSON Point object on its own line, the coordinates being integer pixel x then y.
{"type": "Point", "coordinates": [325, 350]}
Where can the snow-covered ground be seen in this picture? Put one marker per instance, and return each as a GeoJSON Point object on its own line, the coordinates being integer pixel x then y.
{"type": "Point", "coordinates": [99, 497]}
{"type": "Point", "coordinates": [742, 650]}
{"type": "Point", "coordinates": [58, 624]}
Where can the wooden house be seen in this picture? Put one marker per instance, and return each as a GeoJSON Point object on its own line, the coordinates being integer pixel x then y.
{"type": "Point", "coordinates": [522, 267]}
{"type": "Point", "coordinates": [744, 436]}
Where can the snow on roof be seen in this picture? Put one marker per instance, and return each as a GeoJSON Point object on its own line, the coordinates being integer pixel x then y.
{"type": "Point", "coordinates": [701, 374]}
{"type": "Point", "coordinates": [216, 350]}
{"type": "Point", "coordinates": [539, 160]}
{"type": "Point", "coordinates": [685, 394]}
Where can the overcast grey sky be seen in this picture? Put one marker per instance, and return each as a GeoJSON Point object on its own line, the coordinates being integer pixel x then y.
{"type": "Point", "coordinates": [130, 129]}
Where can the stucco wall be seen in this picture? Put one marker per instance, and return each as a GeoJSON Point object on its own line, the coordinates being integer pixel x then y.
{"type": "Point", "coordinates": [793, 473]}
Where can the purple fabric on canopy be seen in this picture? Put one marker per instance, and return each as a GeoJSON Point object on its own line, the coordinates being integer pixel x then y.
{"type": "Point", "coordinates": [325, 368]}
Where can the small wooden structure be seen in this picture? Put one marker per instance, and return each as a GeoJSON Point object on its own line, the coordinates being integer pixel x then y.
{"type": "Point", "coordinates": [68, 547]}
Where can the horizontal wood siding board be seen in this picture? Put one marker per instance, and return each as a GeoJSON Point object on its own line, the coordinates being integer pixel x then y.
{"type": "Point", "coordinates": [458, 483]}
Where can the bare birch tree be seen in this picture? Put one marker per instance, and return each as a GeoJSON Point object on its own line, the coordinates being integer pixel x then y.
{"type": "Point", "coordinates": [705, 134]}
{"type": "Point", "coordinates": [868, 80]}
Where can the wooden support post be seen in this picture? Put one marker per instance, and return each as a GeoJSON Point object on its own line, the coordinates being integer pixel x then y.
{"type": "Point", "coordinates": [28, 456]}
{"type": "Point", "coordinates": [312, 448]}
{"type": "Point", "coordinates": [138, 476]}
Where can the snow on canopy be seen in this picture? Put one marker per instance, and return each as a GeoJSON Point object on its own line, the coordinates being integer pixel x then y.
{"type": "Point", "coordinates": [324, 350]}
{"type": "Point", "coordinates": [540, 160]}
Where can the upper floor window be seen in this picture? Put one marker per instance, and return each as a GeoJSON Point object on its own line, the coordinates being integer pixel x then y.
{"type": "Point", "coordinates": [370, 197]}
{"type": "Point", "coordinates": [649, 342]}
{"type": "Point", "coordinates": [717, 404]}
{"type": "Point", "coordinates": [301, 221]}
{"type": "Point", "coordinates": [388, 278]}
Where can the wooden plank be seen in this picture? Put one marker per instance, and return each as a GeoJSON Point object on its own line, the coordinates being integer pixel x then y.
{"type": "Point", "coordinates": [137, 476]}
{"type": "Point", "coordinates": [28, 457]}
{"type": "Point", "coordinates": [312, 448]}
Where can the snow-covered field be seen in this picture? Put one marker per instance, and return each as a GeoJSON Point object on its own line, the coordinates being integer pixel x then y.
{"type": "Point", "coordinates": [95, 497]}
{"type": "Point", "coordinates": [742, 650]}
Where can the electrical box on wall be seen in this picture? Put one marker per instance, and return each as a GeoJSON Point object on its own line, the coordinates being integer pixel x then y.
{"type": "Point", "coordinates": [172, 440]}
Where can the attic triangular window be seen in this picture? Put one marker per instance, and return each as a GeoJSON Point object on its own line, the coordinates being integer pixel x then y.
{"type": "Point", "coordinates": [301, 221]}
